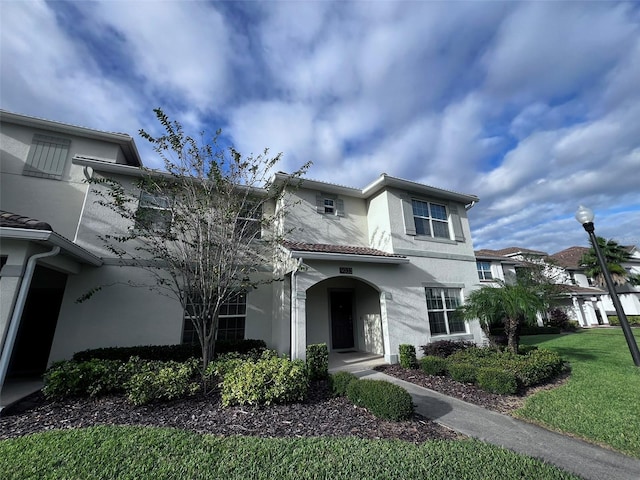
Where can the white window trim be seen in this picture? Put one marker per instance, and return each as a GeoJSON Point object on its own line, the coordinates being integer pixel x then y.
{"type": "Point", "coordinates": [446, 311]}
{"type": "Point", "coordinates": [482, 272]}
{"type": "Point", "coordinates": [431, 220]}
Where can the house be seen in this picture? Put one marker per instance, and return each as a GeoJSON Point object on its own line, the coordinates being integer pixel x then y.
{"type": "Point", "coordinates": [584, 302]}
{"type": "Point", "coordinates": [364, 269]}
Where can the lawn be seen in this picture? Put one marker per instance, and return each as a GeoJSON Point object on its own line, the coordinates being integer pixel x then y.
{"type": "Point", "coordinates": [153, 453]}
{"type": "Point", "coordinates": [601, 400]}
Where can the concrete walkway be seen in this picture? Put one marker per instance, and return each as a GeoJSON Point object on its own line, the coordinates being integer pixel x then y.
{"type": "Point", "coordinates": [584, 459]}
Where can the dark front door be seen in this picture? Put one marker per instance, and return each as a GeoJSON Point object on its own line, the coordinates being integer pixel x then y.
{"type": "Point", "coordinates": [342, 319]}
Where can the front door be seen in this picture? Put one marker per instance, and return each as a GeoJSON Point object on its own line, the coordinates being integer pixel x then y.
{"type": "Point", "coordinates": [341, 319]}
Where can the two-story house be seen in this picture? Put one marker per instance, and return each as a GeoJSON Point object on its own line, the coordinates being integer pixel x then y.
{"type": "Point", "coordinates": [365, 269]}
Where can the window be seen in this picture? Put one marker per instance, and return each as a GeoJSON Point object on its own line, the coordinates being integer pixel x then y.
{"type": "Point", "coordinates": [47, 157]}
{"type": "Point", "coordinates": [441, 306]}
{"type": "Point", "coordinates": [484, 270]}
{"type": "Point", "coordinates": [248, 225]}
{"type": "Point", "coordinates": [154, 212]}
{"type": "Point", "coordinates": [329, 206]}
{"type": "Point", "coordinates": [231, 320]}
{"type": "Point", "coordinates": [430, 219]}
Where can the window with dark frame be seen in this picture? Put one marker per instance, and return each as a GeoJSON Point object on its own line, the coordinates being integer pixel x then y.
{"type": "Point", "coordinates": [430, 219]}
{"type": "Point", "coordinates": [154, 212]}
{"type": "Point", "coordinates": [441, 310]}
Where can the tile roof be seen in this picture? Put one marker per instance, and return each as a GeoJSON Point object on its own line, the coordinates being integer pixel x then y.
{"type": "Point", "coordinates": [516, 250]}
{"type": "Point", "coordinates": [569, 257]}
{"type": "Point", "coordinates": [13, 220]}
{"type": "Point", "coordinates": [581, 290]}
{"type": "Point", "coordinates": [341, 249]}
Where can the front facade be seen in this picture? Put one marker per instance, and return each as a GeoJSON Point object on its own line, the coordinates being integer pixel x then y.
{"type": "Point", "coordinates": [362, 269]}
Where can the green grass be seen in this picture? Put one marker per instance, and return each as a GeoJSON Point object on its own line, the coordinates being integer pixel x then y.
{"type": "Point", "coordinates": [158, 453]}
{"type": "Point", "coordinates": [601, 400]}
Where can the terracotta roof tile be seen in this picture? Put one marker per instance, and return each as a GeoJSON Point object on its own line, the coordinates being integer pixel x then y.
{"type": "Point", "coordinates": [13, 220]}
{"type": "Point", "coordinates": [516, 250]}
{"type": "Point", "coordinates": [570, 257]}
{"type": "Point", "coordinates": [344, 249]}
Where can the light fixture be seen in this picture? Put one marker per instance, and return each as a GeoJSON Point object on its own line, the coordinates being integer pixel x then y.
{"type": "Point", "coordinates": [585, 216]}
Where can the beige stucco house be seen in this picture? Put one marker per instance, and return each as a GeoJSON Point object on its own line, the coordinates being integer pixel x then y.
{"type": "Point", "coordinates": [364, 269]}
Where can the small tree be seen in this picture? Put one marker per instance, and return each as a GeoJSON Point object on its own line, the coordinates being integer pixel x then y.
{"type": "Point", "coordinates": [205, 227]}
{"type": "Point", "coordinates": [510, 305]}
{"type": "Point", "coordinates": [615, 255]}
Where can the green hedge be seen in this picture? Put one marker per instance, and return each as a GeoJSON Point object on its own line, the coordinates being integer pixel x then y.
{"type": "Point", "coordinates": [462, 372]}
{"type": "Point", "coordinates": [445, 348]}
{"type": "Point", "coordinates": [317, 361]}
{"type": "Point", "coordinates": [383, 399]}
{"type": "Point", "coordinates": [634, 320]}
{"type": "Point", "coordinates": [433, 365]}
{"type": "Point", "coordinates": [495, 380]}
{"type": "Point", "coordinates": [339, 381]}
{"type": "Point", "coordinates": [407, 356]}
{"type": "Point", "coordinates": [176, 353]}
{"type": "Point", "coordinates": [154, 380]}
{"type": "Point", "coordinates": [91, 378]}
{"type": "Point", "coordinates": [267, 381]}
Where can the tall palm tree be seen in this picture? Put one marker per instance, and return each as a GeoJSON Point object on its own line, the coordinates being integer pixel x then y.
{"type": "Point", "coordinates": [614, 254]}
{"type": "Point", "coordinates": [511, 305]}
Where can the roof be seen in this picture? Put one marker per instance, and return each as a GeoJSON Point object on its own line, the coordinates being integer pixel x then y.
{"type": "Point", "coordinates": [340, 249]}
{"type": "Point", "coordinates": [510, 251]}
{"type": "Point", "coordinates": [570, 257]}
{"type": "Point", "coordinates": [13, 220]}
{"type": "Point", "coordinates": [485, 254]}
{"type": "Point", "coordinates": [383, 181]}
{"type": "Point", "coordinates": [575, 289]}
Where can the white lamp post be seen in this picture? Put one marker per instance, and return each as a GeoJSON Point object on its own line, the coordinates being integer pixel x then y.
{"type": "Point", "coordinates": [585, 216]}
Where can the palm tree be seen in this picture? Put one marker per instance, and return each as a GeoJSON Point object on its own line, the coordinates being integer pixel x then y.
{"type": "Point", "coordinates": [614, 254]}
{"type": "Point", "coordinates": [511, 305]}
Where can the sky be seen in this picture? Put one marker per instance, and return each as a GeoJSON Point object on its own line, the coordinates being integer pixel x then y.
{"type": "Point", "coordinates": [533, 107]}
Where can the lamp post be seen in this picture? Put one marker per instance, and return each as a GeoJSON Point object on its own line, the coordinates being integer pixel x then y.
{"type": "Point", "coordinates": [585, 216]}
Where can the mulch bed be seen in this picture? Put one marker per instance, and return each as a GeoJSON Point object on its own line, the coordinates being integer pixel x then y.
{"type": "Point", "coordinates": [319, 415]}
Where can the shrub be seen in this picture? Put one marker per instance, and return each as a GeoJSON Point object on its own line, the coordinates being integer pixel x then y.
{"type": "Point", "coordinates": [462, 372]}
{"type": "Point", "coordinates": [524, 349]}
{"type": "Point", "coordinates": [317, 361]}
{"type": "Point", "coordinates": [537, 366]}
{"type": "Point", "coordinates": [155, 380]}
{"type": "Point", "coordinates": [383, 399]}
{"type": "Point", "coordinates": [267, 381]}
{"type": "Point", "coordinates": [496, 380]}
{"type": "Point", "coordinates": [634, 320]}
{"type": "Point", "coordinates": [339, 381]}
{"type": "Point", "coordinates": [445, 348]}
{"type": "Point", "coordinates": [177, 353]}
{"type": "Point", "coordinates": [558, 318]}
{"type": "Point", "coordinates": [530, 330]}
{"type": "Point", "coordinates": [433, 365]}
{"type": "Point", "coordinates": [408, 356]}
{"type": "Point", "coordinates": [93, 377]}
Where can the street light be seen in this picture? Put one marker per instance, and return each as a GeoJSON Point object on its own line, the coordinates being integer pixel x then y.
{"type": "Point", "coordinates": [585, 216]}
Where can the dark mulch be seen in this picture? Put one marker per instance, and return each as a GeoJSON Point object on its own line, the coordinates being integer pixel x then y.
{"type": "Point", "coordinates": [319, 415]}
{"type": "Point", "coordinates": [467, 391]}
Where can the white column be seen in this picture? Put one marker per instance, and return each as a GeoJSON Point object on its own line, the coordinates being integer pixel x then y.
{"type": "Point", "coordinates": [603, 312]}
{"type": "Point", "coordinates": [388, 357]}
{"type": "Point", "coordinates": [578, 309]}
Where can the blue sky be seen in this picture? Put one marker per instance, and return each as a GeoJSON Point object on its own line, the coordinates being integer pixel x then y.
{"type": "Point", "coordinates": [534, 107]}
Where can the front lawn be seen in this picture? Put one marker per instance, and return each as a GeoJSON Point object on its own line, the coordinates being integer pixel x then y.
{"type": "Point", "coordinates": [601, 400]}
{"type": "Point", "coordinates": [152, 453]}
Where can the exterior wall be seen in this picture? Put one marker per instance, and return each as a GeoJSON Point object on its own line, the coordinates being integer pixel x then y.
{"type": "Point", "coordinates": [57, 202]}
{"type": "Point", "coordinates": [305, 224]}
{"type": "Point", "coordinates": [379, 222]}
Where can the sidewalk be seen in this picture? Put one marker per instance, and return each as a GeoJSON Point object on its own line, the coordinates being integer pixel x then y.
{"type": "Point", "coordinates": [589, 461]}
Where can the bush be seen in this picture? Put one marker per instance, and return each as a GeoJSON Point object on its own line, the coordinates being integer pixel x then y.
{"type": "Point", "coordinates": [267, 381]}
{"type": "Point", "coordinates": [433, 365]}
{"type": "Point", "coordinates": [408, 356]}
{"type": "Point", "coordinates": [558, 318]}
{"type": "Point", "coordinates": [524, 349]}
{"type": "Point", "coordinates": [339, 381]}
{"type": "Point", "coordinates": [445, 348]}
{"type": "Point", "coordinates": [537, 366]}
{"type": "Point", "coordinates": [531, 330]}
{"type": "Point", "coordinates": [164, 353]}
{"type": "Point", "coordinates": [155, 380]}
{"type": "Point", "coordinates": [496, 380]}
{"type": "Point", "coordinates": [381, 398]}
{"type": "Point", "coordinates": [93, 377]}
{"type": "Point", "coordinates": [317, 361]}
{"type": "Point", "coordinates": [462, 372]}
{"type": "Point", "coordinates": [634, 320]}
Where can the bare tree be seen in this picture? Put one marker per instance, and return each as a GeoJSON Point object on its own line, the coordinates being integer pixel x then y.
{"type": "Point", "coordinates": [205, 228]}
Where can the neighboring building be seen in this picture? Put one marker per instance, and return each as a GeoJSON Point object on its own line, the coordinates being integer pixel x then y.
{"type": "Point", "coordinates": [585, 303]}
{"type": "Point", "coordinates": [364, 269]}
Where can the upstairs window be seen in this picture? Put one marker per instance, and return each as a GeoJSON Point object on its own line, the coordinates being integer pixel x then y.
{"type": "Point", "coordinates": [248, 225]}
{"type": "Point", "coordinates": [484, 270]}
{"type": "Point", "coordinates": [47, 157]}
{"type": "Point", "coordinates": [231, 320]}
{"type": "Point", "coordinates": [430, 219]}
{"type": "Point", "coordinates": [441, 309]}
{"type": "Point", "coordinates": [154, 212]}
{"type": "Point", "coordinates": [329, 206]}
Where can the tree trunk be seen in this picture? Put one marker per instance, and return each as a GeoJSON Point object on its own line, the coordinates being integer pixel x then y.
{"type": "Point", "coordinates": [512, 330]}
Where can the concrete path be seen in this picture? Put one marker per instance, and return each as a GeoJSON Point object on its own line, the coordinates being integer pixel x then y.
{"type": "Point", "coordinates": [589, 461]}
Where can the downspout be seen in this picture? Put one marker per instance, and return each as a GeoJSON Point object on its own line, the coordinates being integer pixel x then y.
{"type": "Point", "coordinates": [14, 323]}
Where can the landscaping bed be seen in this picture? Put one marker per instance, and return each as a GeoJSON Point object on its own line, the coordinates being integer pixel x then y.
{"type": "Point", "coordinates": [319, 415]}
